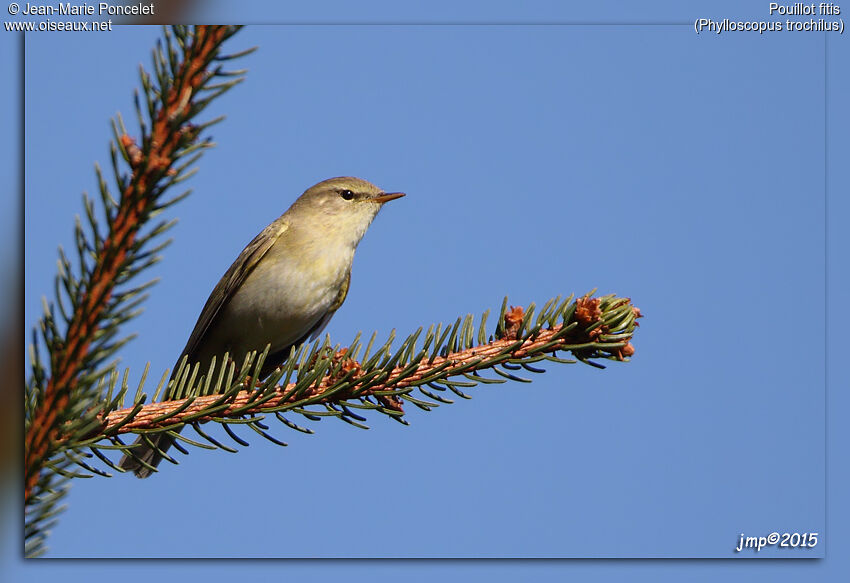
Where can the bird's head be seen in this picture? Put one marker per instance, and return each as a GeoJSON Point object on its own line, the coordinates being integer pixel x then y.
{"type": "Point", "coordinates": [343, 207]}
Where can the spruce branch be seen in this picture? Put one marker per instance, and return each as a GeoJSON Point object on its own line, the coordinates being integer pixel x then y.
{"type": "Point", "coordinates": [333, 381]}
{"type": "Point", "coordinates": [80, 329]}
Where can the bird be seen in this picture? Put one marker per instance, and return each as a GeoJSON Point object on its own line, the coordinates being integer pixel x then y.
{"type": "Point", "coordinates": [281, 291]}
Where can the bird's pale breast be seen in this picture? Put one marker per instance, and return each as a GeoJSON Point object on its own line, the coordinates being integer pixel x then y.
{"type": "Point", "coordinates": [280, 301]}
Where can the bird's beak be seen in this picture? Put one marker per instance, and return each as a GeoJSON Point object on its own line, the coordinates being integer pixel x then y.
{"type": "Point", "coordinates": [387, 196]}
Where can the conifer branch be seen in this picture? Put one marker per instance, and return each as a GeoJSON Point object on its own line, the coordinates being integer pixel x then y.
{"type": "Point", "coordinates": [92, 299]}
{"type": "Point", "coordinates": [337, 381]}
{"type": "Point", "coordinates": [345, 385]}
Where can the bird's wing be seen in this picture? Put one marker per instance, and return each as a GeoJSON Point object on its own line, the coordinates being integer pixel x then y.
{"type": "Point", "coordinates": [231, 281]}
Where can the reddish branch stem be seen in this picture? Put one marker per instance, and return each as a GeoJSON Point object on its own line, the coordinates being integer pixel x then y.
{"type": "Point", "coordinates": [66, 365]}
{"type": "Point", "coordinates": [459, 361]}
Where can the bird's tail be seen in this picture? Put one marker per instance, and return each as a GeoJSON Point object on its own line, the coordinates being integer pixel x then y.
{"type": "Point", "coordinates": [147, 454]}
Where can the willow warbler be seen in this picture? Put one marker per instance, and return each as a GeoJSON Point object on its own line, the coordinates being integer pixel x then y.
{"type": "Point", "coordinates": [283, 288]}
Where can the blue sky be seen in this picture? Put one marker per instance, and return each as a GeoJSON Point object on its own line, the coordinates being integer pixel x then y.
{"type": "Point", "coordinates": [683, 171]}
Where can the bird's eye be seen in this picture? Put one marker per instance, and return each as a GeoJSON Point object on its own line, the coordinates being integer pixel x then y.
{"type": "Point", "coordinates": [346, 194]}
